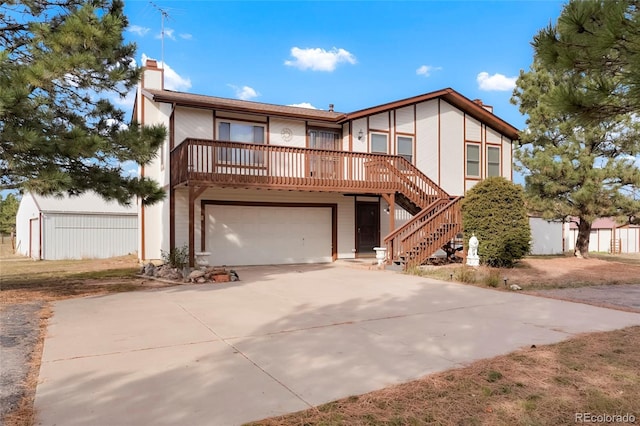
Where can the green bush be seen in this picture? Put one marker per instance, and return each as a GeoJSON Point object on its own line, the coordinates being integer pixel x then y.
{"type": "Point", "coordinates": [177, 257]}
{"type": "Point", "coordinates": [494, 211]}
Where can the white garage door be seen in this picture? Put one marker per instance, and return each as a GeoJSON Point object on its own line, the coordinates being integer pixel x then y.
{"type": "Point", "coordinates": [249, 235]}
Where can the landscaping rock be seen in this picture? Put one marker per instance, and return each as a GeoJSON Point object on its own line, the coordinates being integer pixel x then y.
{"type": "Point", "coordinates": [150, 269]}
{"type": "Point", "coordinates": [196, 274]}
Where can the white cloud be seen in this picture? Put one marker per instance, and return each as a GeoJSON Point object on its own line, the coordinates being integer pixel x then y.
{"type": "Point", "coordinates": [244, 93]}
{"type": "Point", "coordinates": [426, 70]}
{"type": "Point", "coordinates": [168, 33]}
{"type": "Point", "coordinates": [137, 29]}
{"type": "Point", "coordinates": [186, 36]}
{"type": "Point", "coordinates": [317, 59]}
{"type": "Point", "coordinates": [172, 80]}
{"type": "Point", "coordinates": [497, 82]}
{"type": "Point", "coordinates": [303, 105]}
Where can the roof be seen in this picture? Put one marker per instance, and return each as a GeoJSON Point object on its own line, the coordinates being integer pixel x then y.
{"type": "Point", "coordinates": [189, 99]}
{"type": "Point", "coordinates": [470, 107]}
{"type": "Point", "coordinates": [454, 98]}
{"type": "Point", "coordinates": [88, 203]}
{"type": "Point", "coordinates": [602, 223]}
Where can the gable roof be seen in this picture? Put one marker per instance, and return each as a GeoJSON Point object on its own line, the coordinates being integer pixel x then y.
{"type": "Point", "coordinates": [454, 98]}
{"type": "Point", "coordinates": [87, 203]}
{"type": "Point", "coordinates": [449, 95]}
{"type": "Point", "coordinates": [602, 223]}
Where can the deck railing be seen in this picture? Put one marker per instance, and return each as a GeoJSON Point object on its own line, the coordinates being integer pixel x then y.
{"type": "Point", "coordinates": [236, 164]}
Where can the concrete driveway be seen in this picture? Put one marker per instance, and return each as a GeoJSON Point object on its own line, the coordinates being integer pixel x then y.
{"type": "Point", "coordinates": [281, 340]}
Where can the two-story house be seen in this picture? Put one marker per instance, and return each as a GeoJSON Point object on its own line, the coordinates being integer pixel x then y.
{"type": "Point", "coordinates": [254, 183]}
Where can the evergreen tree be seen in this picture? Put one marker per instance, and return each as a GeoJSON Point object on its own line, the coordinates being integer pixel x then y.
{"type": "Point", "coordinates": [574, 167]}
{"type": "Point", "coordinates": [61, 64]}
{"type": "Point", "coordinates": [599, 38]}
{"type": "Point", "coordinates": [8, 211]}
{"type": "Point", "coordinates": [495, 212]}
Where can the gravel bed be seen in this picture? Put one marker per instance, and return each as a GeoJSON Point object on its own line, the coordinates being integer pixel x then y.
{"type": "Point", "coordinates": [623, 295]}
{"type": "Point", "coordinates": [19, 328]}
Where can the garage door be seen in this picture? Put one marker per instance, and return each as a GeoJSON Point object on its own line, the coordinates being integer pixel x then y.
{"type": "Point", "coordinates": [250, 235]}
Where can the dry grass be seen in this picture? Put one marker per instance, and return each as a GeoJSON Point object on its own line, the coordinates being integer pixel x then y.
{"type": "Point", "coordinates": [596, 373]}
{"type": "Point", "coordinates": [545, 272]}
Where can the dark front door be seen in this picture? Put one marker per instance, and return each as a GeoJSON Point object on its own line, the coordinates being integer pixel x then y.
{"type": "Point", "coordinates": [367, 227]}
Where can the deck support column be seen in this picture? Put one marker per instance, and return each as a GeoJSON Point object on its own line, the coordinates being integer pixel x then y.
{"type": "Point", "coordinates": [194, 193]}
{"type": "Point", "coordinates": [192, 233]}
{"type": "Point", "coordinates": [391, 200]}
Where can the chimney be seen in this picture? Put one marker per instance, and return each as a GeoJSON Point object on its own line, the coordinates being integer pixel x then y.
{"type": "Point", "coordinates": [486, 107]}
{"type": "Point", "coordinates": [330, 107]}
{"type": "Point", "coordinates": [152, 75]}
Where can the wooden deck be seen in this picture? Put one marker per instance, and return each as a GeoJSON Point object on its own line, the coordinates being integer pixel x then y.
{"type": "Point", "coordinates": [198, 163]}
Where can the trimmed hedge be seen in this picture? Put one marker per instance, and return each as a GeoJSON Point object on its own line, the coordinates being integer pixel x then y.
{"type": "Point", "coordinates": [495, 212]}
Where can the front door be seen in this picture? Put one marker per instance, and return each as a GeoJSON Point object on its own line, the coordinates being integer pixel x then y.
{"type": "Point", "coordinates": [367, 227]}
{"type": "Point", "coordinates": [324, 166]}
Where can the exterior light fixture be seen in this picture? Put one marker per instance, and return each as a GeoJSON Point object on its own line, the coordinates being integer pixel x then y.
{"type": "Point", "coordinates": [360, 135]}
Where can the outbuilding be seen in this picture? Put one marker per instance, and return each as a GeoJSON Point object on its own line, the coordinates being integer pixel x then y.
{"type": "Point", "coordinates": [75, 227]}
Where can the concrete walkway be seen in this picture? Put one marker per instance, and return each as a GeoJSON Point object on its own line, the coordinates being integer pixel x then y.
{"type": "Point", "coordinates": [281, 340]}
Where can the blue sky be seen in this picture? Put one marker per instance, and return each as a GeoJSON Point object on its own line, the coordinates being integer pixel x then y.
{"type": "Point", "coordinates": [351, 54]}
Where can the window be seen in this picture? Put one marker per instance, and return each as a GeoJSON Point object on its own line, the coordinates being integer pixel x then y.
{"type": "Point", "coordinates": [473, 160]}
{"type": "Point", "coordinates": [405, 148]}
{"type": "Point", "coordinates": [379, 143]}
{"type": "Point", "coordinates": [493, 161]}
{"type": "Point", "coordinates": [240, 132]}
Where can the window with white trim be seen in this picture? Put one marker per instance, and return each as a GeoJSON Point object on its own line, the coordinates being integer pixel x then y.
{"type": "Point", "coordinates": [404, 147]}
{"type": "Point", "coordinates": [473, 160]}
{"type": "Point", "coordinates": [493, 161]}
{"type": "Point", "coordinates": [241, 132]}
{"type": "Point", "coordinates": [379, 143]}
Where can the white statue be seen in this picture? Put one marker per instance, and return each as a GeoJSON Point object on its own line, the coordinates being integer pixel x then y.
{"type": "Point", "coordinates": [472, 256]}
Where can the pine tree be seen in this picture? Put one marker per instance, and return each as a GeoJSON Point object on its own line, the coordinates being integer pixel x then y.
{"type": "Point", "coordinates": [574, 167]}
{"type": "Point", "coordinates": [8, 210]}
{"type": "Point", "coordinates": [62, 63]}
{"type": "Point", "coordinates": [599, 38]}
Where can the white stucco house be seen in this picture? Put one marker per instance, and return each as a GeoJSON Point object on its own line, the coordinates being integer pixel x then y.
{"type": "Point", "coordinates": [86, 226]}
{"type": "Point", "coordinates": [254, 183]}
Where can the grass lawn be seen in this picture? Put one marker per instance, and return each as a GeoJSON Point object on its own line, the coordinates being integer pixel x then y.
{"type": "Point", "coordinates": [596, 373]}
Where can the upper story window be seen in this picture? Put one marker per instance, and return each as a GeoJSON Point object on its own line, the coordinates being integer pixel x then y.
{"type": "Point", "coordinates": [473, 160]}
{"type": "Point", "coordinates": [379, 143]}
{"type": "Point", "coordinates": [493, 161]}
{"type": "Point", "coordinates": [405, 148]}
{"type": "Point", "coordinates": [245, 133]}
{"type": "Point", "coordinates": [240, 132]}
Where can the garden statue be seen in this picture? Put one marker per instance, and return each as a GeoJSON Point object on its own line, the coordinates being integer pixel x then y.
{"type": "Point", "coordinates": [472, 256]}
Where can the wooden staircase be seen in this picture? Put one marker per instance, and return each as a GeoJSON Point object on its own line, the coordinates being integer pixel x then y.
{"type": "Point", "coordinates": [420, 238]}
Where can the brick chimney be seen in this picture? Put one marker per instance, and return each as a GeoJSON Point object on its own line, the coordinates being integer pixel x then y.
{"type": "Point", "coordinates": [486, 107]}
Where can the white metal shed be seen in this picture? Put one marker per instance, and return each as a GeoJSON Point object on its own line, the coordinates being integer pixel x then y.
{"type": "Point", "coordinates": [80, 227]}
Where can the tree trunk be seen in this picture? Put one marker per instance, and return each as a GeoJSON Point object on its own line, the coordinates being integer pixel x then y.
{"type": "Point", "coordinates": [582, 243]}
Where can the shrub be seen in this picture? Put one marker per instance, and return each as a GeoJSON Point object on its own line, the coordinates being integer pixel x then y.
{"type": "Point", "coordinates": [495, 212]}
{"type": "Point", "coordinates": [177, 257]}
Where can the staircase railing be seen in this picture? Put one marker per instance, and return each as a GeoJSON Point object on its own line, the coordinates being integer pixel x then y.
{"type": "Point", "coordinates": [425, 233]}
